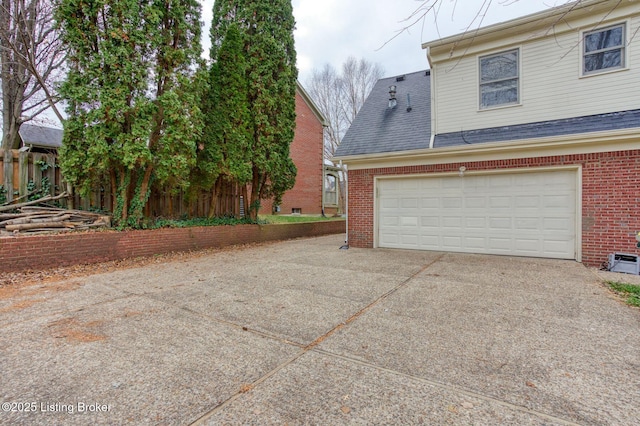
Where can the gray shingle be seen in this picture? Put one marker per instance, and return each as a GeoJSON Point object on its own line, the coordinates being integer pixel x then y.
{"type": "Point", "coordinates": [40, 136]}
{"type": "Point", "coordinates": [567, 126]}
{"type": "Point", "coordinates": [378, 128]}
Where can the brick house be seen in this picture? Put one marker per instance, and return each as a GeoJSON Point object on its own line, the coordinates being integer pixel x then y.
{"type": "Point", "coordinates": [306, 151]}
{"type": "Point", "coordinates": [522, 139]}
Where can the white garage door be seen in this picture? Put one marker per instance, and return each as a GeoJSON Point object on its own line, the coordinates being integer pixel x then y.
{"type": "Point", "coordinates": [522, 214]}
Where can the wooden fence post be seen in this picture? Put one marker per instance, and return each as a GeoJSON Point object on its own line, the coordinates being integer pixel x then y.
{"type": "Point", "coordinates": [8, 174]}
{"type": "Point", "coordinates": [51, 173]}
{"type": "Point", "coordinates": [37, 170]}
{"type": "Point", "coordinates": [23, 173]}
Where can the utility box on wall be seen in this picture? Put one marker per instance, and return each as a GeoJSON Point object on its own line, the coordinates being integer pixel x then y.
{"type": "Point", "coordinates": [624, 262]}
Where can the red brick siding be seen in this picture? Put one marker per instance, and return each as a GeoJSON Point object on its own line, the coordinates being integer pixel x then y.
{"type": "Point", "coordinates": [306, 153]}
{"type": "Point", "coordinates": [610, 197]}
{"type": "Point", "coordinates": [25, 252]}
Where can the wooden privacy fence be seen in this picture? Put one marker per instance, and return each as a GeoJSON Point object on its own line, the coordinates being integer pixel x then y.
{"type": "Point", "coordinates": [32, 172]}
{"type": "Point", "coordinates": [170, 204]}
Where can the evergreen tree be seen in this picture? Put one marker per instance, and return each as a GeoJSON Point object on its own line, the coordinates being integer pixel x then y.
{"type": "Point", "coordinates": [225, 158]}
{"type": "Point", "coordinates": [133, 112]}
{"type": "Point", "coordinates": [266, 28]}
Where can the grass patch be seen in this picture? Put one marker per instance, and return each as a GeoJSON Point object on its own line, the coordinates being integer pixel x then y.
{"type": "Point", "coordinates": [629, 291]}
{"type": "Point", "coordinates": [295, 219]}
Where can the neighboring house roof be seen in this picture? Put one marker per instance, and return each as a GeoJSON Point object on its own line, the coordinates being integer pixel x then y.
{"type": "Point", "coordinates": [312, 105]}
{"type": "Point", "coordinates": [567, 126]}
{"type": "Point", "coordinates": [40, 136]}
{"type": "Point", "coordinates": [378, 128]}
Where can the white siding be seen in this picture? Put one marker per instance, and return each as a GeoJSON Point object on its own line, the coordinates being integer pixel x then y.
{"type": "Point", "coordinates": [551, 85]}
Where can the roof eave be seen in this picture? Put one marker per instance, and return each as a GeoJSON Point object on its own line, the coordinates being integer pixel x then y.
{"type": "Point", "coordinates": [539, 145]}
{"type": "Point", "coordinates": [312, 105]}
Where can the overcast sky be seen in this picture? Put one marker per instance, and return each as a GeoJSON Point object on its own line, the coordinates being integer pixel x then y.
{"type": "Point", "coordinates": [329, 31]}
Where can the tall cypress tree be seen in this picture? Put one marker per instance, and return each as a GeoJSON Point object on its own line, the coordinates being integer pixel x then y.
{"type": "Point", "coordinates": [224, 159]}
{"type": "Point", "coordinates": [266, 29]}
{"type": "Point", "coordinates": [133, 114]}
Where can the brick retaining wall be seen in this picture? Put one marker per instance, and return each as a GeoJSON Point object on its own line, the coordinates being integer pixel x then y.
{"type": "Point", "coordinates": [35, 252]}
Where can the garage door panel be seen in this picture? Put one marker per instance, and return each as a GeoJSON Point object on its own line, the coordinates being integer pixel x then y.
{"type": "Point", "coordinates": [429, 221]}
{"type": "Point", "coordinates": [555, 179]}
{"type": "Point", "coordinates": [529, 214]}
{"type": "Point", "coordinates": [389, 203]}
{"type": "Point", "coordinates": [499, 223]}
{"type": "Point", "coordinates": [409, 239]}
{"type": "Point", "coordinates": [430, 242]}
{"type": "Point", "coordinates": [527, 246]}
{"type": "Point", "coordinates": [527, 224]}
{"type": "Point", "coordinates": [475, 223]}
{"type": "Point", "coordinates": [499, 181]}
{"type": "Point", "coordinates": [499, 202]}
{"type": "Point", "coordinates": [557, 223]}
{"type": "Point", "coordinates": [452, 242]}
{"type": "Point", "coordinates": [411, 186]}
{"type": "Point", "coordinates": [557, 246]}
{"type": "Point", "coordinates": [389, 221]}
{"type": "Point", "coordinates": [475, 202]}
{"type": "Point", "coordinates": [430, 203]}
{"type": "Point", "coordinates": [409, 203]}
{"type": "Point", "coordinates": [452, 222]}
{"type": "Point", "coordinates": [526, 201]}
{"type": "Point", "coordinates": [474, 243]}
{"type": "Point", "coordinates": [559, 200]}
{"type": "Point", "coordinates": [451, 184]}
{"type": "Point", "coordinates": [389, 239]}
{"type": "Point", "coordinates": [411, 221]}
{"type": "Point", "coordinates": [499, 245]}
{"type": "Point", "coordinates": [451, 202]}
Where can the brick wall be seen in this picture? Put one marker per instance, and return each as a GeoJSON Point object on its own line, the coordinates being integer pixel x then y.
{"type": "Point", "coordinates": [306, 153]}
{"type": "Point", "coordinates": [25, 252]}
{"type": "Point", "coordinates": [610, 198]}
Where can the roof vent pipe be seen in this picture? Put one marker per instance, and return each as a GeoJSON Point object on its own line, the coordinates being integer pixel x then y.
{"type": "Point", "coordinates": [392, 96]}
{"type": "Point", "coordinates": [409, 103]}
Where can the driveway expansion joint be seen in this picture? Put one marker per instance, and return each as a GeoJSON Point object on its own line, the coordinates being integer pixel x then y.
{"type": "Point", "coordinates": [448, 387]}
{"type": "Point", "coordinates": [313, 344]}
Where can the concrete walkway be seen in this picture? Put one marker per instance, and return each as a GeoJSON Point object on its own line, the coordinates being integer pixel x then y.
{"type": "Point", "coordinates": [300, 332]}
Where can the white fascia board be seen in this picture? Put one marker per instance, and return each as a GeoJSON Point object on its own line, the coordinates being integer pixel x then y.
{"type": "Point", "coordinates": [539, 147]}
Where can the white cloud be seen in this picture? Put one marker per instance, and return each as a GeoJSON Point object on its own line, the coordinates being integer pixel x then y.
{"type": "Point", "coordinates": [329, 31]}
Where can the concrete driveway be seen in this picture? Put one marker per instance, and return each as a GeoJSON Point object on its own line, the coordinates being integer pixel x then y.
{"type": "Point", "coordinates": [300, 332]}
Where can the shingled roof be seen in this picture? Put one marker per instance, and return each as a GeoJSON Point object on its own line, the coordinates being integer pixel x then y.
{"type": "Point", "coordinates": [40, 136]}
{"type": "Point", "coordinates": [567, 126]}
{"type": "Point", "coordinates": [379, 128]}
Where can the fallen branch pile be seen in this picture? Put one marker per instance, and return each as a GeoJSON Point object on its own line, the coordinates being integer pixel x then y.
{"type": "Point", "coordinates": [35, 219]}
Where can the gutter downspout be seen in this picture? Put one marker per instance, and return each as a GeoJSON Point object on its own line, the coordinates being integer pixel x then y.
{"type": "Point", "coordinates": [434, 109]}
{"type": "Point", "coordinates": [324, 168]}
{"type": "Point", "coordinates": [346, 207]}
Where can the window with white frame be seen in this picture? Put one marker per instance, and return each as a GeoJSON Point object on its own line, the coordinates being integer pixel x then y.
{"type": "Point", "coordinates": [499, 79]}
{"type": "Point", "coordinates": [330, 189]}
{"type": "Point", "coordinates": [603, 49]}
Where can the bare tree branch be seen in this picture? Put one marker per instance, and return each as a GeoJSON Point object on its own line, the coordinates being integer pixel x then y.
{"type": "Point", "coordinates": [340, 96]}
{"type": "Point", "coordinates": [31, 58]}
